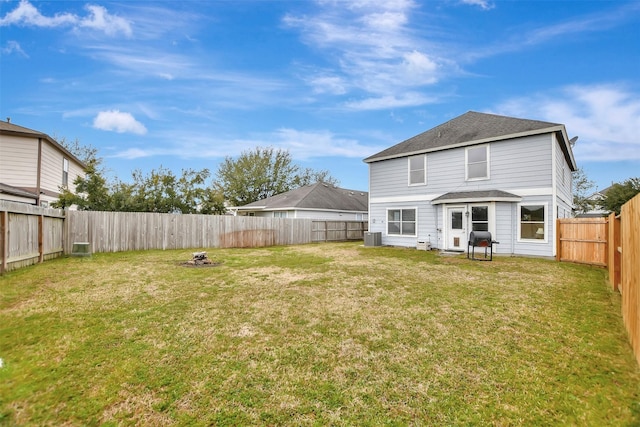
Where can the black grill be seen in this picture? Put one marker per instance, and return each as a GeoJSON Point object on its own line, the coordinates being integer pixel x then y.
{"type": "Point", "coordinates": [480, 239]}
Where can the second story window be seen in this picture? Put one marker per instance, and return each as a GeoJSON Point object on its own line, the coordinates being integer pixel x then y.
{"type": "Point", "coordinates": [65, 172]}
{"type": "Point", "coordinates": [418, 170]}
{"type": "Point", "coordinates": [477, 162]}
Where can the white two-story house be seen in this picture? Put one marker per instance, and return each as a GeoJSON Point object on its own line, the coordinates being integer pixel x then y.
{"type": "Point", "coordinates": [33, 166]}
{"type": "Point", "coordinates": [477, 172]}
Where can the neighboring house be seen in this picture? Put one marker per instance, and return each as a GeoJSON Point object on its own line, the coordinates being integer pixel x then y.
{"type": "Point", "coordinates": [597, 210]}
{"type": "Point", "coordinates": [33, 166]}
{"type": "Point", "coordinates": [317, 201]}
{"type": "Point", "coordinates": [477, 172]}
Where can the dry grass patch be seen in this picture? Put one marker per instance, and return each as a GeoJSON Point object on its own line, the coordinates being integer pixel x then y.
{"type": "Point", "coordinates": [311, 335]}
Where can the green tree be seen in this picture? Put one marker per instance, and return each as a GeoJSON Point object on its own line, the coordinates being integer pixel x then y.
{"type": "Point", "coordinates": [582, 189]}
{"type": "Point", "coordinates": [92, 191]}
{"type": "Point", "coordinates": [263, 172]}
{"type": "Point", "coordinates": [620, 193]}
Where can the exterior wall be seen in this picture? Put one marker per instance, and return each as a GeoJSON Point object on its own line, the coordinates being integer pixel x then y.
{"type": "Point", "coordinates": [524, 167]}
{"type": "Point", "coordinates": [564, 184]}
{"type": "Point", "coordinates": [19, 166]}
{"type": "Point", "coordinates": [18, 161]}
{"type": "Point", "coordinates": [317, 214]}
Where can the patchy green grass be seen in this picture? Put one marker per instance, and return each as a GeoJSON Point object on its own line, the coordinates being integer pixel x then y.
{"type": "Point", "coordinates": [328, 334]}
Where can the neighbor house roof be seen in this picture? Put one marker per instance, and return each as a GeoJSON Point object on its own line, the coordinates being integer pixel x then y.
{"type": "Point", "coordinates": [319, 196]}
{"type": "Point", "coordinates": [476, 196]}
{"type": "Point", "coordinates": [474, 128]}
{"type": "Point", "coordinates": [8, 128]}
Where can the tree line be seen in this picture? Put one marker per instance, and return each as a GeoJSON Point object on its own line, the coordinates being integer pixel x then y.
{"type": "Point", "coordinates": [254, 175]}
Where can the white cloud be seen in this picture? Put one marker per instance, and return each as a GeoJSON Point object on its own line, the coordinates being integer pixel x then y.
{"type": "Point", "coordinates": [483, 4]}
{"type": "Point", "coordinates": [98, 19]}
{"type": "Point", "coordinates": [373, 51]}
{"type": "Point", "coordinates": [605, 117]}
{"type": "Point", "coordinates": [117, 121]}
{"type": "Point", "coordinates": [13, 46]}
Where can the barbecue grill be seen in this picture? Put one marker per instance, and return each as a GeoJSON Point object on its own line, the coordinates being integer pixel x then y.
{"type": "Point", "coordinates": [480, 239]}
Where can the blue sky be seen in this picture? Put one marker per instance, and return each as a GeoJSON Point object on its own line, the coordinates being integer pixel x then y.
{"type": "Point", "coordinates": [184, 84]}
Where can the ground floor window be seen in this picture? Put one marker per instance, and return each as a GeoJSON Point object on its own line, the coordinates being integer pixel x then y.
{"type": "Point", "coordinates": [401, 222]}
{"type": "Point", "coordinates": [480, 218]}
{"type": "Point", "coordinates": [280, 214]}
{"type": "Point", "coordinates": [532, 222]}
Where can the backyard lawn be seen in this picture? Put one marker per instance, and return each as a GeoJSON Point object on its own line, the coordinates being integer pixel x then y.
{"type": "Point", "coordinates": [321, 334]}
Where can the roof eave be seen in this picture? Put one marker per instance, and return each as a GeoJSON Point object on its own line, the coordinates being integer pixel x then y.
{"type": "Point", "coordinates": [552, 129]}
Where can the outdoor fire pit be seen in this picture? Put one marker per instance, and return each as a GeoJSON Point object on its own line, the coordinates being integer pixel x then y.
{"type": "Point", "coordinates": [200, 259]}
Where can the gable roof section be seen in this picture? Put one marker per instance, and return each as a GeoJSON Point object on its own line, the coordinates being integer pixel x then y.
{"type": "Point", "coordinates": [474, 128]}
{"type": "Point", "coordinates": [7, 128]}
{"type": "Point", "coordinates": [318, 196]}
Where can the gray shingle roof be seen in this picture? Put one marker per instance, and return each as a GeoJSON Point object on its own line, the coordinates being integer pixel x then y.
{"type": "Point", "coordinates": [316, 196]}
{"type": "Point", "coordinates": [469, 127]}
{"type": "Point", "coordinates": [476, 196]}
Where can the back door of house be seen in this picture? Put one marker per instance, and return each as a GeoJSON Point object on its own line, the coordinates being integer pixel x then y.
{"type": "Point", "coordinates": [456, 229]}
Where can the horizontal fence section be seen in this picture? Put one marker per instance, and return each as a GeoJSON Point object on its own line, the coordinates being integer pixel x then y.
{"type": "Point", "coordinates": [133, 231]}
{"type": "Point", "coordinates": [29, 234]}
{"type": "Point", "coordinates": [582, 240]}
{"type": "Point", "coordinates": [338, 231]}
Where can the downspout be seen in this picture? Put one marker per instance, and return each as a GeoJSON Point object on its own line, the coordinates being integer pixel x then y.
{"type": "Point", "coordinates": [39, 171]}
{"type": "Point", "coordinates": [554, 195]}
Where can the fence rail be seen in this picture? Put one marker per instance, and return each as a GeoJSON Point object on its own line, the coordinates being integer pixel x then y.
{"type": "Point", "coordinates": [30, 234]}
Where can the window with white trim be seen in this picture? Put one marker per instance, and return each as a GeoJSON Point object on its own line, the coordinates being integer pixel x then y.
{"type": "Point", "coordinates": [532, 222]}
{"type": "Point", "coordinates": [477, 162]}
{"type": "Point", "coordinates": [65, 172]}
{"type": "Point", "coordinates": [280, 214]}
{"type": "Point", "coordinates": [418, 170]}
{"type": "Point", "coordinates": [480, 218]}
{"type": "Point", "coordinates": [401, 222]}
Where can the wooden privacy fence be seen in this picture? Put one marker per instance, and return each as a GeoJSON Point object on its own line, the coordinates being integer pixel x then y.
{"type": "Point", "coordinates": [629, 250]}
{"type": "Point", "coordinates": [582, 240]}
{"type": "Point", "coordinates": [30, 234]}
{"type": "Point", "coordinates": [614, 243]}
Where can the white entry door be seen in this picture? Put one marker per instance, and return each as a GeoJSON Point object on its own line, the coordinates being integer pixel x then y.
{"type": "Point", "coordinates": [456, 230]}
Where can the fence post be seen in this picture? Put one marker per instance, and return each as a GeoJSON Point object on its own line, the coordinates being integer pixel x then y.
{"type": "Point", "coordinates": [4, 235]}
{"type": "Point", "coordinates": [40, 238]}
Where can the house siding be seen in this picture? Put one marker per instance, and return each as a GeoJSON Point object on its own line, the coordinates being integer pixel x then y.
{"type": "Point", "coordinates": [523, 166]}
{"type": "Point", "coordinates": [18, 161]}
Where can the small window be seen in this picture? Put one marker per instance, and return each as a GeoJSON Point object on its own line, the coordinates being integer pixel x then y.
{"type": "Point", "coordinates": [280, 214]}
{"type": "Point", "coordinates": [477, 160]}
{"type": "Point", "coordinates": [65, 172]}
{"type": "Point", "coordinates": [418, 170]}
{"type": "Point", "coordinates": [480, 218]}
{"type": "Point", "coordinates": [532, 222]}
{"type": "Point", "coordinates": [401, 222]}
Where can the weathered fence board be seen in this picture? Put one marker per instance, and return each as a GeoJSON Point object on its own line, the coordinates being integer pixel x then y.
{"type": "Point", "coordinates": [630, 270]}
{"type": "Point", "coordinates": [28, 234]}
{"type": "Point", "coordinates": [582, 240]}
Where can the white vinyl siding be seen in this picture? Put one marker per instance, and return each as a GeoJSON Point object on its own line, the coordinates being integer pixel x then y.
{"type": "Point", "coordinates": [18, 161]}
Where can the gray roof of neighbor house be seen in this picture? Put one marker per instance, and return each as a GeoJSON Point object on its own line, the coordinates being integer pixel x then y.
{"type": "Point", "coordinates": [316, 196]}
{"type": "Point", "coordinates": [8, 128]}
{"type": "Point", "coordinates": [474, 128]}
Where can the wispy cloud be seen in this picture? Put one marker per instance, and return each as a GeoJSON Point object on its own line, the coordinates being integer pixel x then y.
{"type": "Point", "coordinates": [606, 118]}
{"type": "Point", "coordinates": [115, 120]}
{"type": "Point", "coordinates": [373, 50]}
{"type": "Point", "coordinates": [12, 46]}
{"type": "Point", "coordinates": [483, 4]}
{"type": "Point", "coordinates": [97, 18]}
